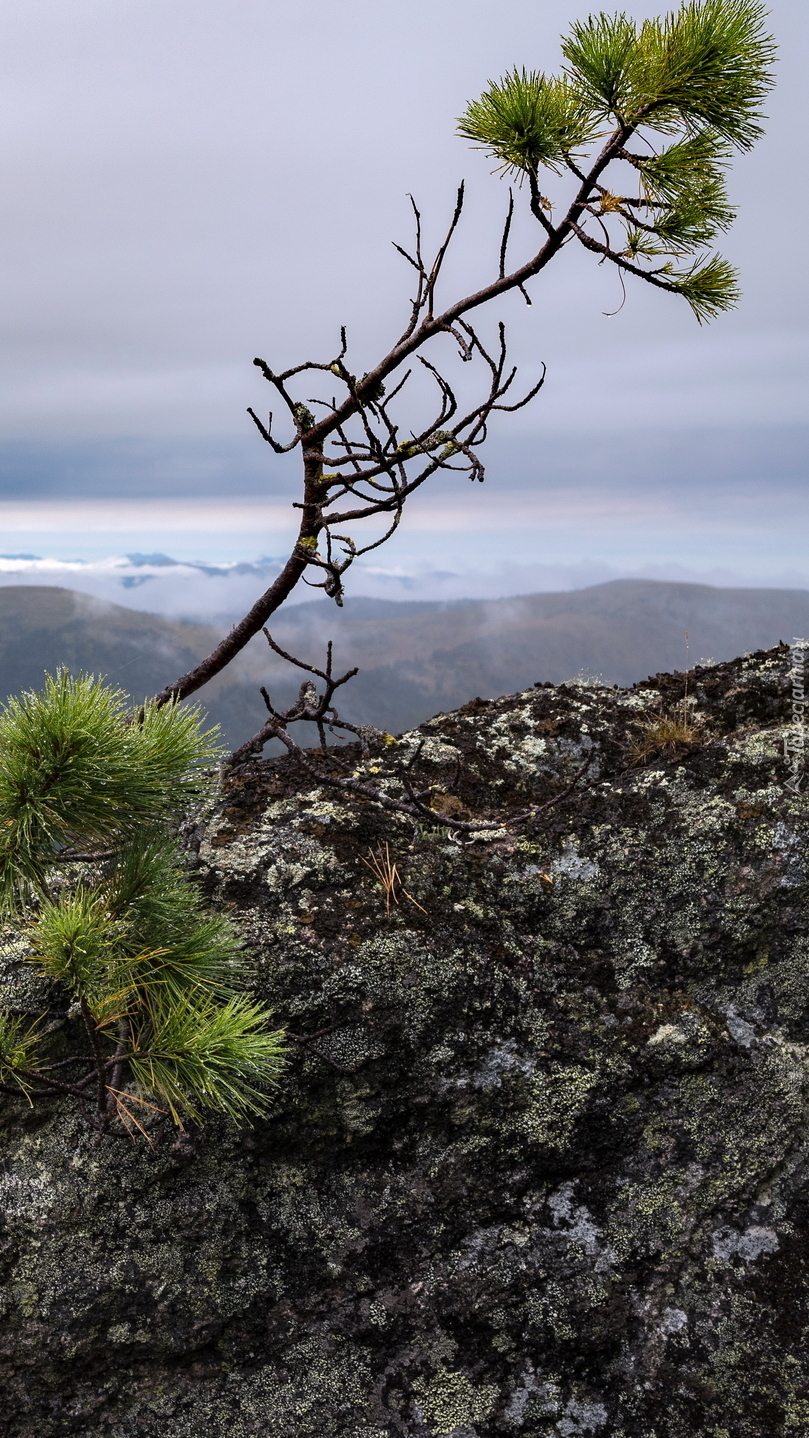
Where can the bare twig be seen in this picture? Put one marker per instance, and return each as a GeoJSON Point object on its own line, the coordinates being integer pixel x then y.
{"type": "Point", "coordinates": [312, 707]}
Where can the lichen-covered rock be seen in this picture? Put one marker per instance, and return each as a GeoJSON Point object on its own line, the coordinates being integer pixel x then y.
{"type": "Point", "coordinates": [539, 1164]}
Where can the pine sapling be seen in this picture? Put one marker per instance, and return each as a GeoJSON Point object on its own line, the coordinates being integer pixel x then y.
{"type": "Point", "coordinates": [148, 1012]}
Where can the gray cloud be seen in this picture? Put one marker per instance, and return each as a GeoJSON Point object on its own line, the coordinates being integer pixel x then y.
{"type": "Point", "coordinates": [187, 185]}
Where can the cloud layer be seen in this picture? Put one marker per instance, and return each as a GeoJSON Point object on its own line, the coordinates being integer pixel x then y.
{"type": "Point", "coordinates": [186, 186]}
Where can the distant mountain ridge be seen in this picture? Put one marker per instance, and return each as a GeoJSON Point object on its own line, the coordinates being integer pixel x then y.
{"type": "Point", "coordinates": [43, 627]}
{"type": "Point", "coordinates": [416, 658]}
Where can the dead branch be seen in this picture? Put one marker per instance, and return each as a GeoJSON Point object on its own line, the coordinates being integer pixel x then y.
{"type": "Point", "coordinates": [318, 708]}
{"type": "Point", "coordinates": [355, 448]}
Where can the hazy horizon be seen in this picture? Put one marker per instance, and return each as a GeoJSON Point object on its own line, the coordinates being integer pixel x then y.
{"type": "Point", "coordinates": [219, 594]}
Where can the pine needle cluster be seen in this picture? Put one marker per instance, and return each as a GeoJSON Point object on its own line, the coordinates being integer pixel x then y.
{"type": "Point", "coordinates": [150, 1014]}
{"type": "Point", "coordinates": [698, 75]}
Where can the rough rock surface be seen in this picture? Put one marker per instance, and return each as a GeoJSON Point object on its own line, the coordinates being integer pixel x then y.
{"type": "Point", "coordinates": [539, 1165]}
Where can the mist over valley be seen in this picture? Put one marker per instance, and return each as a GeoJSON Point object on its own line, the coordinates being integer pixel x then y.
{"type": "Point", "coordinates": [415, 659]}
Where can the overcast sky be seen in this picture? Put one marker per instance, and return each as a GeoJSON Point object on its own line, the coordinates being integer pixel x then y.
{"type": "Point", "coordinates": [189, 183]}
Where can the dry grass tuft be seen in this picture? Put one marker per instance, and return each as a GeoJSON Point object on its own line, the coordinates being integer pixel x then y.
{"type": "Point", "coordinates": [666, 732]}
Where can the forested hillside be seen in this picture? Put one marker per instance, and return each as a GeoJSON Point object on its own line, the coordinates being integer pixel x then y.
{"type": "Point", "coordinates": [415, 659]}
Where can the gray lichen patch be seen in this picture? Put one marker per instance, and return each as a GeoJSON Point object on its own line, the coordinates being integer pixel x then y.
{"type": "Point", "coordinates": [539, 1164]}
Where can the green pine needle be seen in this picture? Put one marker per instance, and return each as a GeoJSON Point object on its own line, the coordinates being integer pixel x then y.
{"type": "Point", "coordinates": [709, 287]}
{"type": "Point", "coordinates": [126, 933]}
{"type": "Point", "coordinates": [198, 1056]}
{"type": "Point", "coordinates": [602, 57]}
{"type": "Point", "coordinates": [150, 889]}
{"type": "Point", "coordinates": [21, 1048]}
{"type": "Point", "coordinates": [72, 766]}
{"type": "Point", "coordinates": [686, 185]}
{"type": "Point", "coordinates": [79, 941]}
{"type": "Point", "coordinates": [699, 74]}
{"type": "Point", "coordinates": [526, 120]}
{"type": "Point", "coordinates": [708, 63]}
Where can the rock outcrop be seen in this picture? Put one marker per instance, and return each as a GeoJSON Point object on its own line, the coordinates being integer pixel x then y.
{"type": "Point", "coordinates": [539, 1164]}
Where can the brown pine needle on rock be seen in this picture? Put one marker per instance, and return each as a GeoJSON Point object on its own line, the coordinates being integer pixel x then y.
{"type": "Point", "coordinates": [386, 872]}
{"type": "Point", "coordinates": [126, 1115]}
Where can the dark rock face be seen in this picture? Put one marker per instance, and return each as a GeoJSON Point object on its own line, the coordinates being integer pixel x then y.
{"type": "Point", "coordinates": [540, 1164]}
